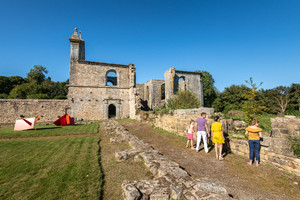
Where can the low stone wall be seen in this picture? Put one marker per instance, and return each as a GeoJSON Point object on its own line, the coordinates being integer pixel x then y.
{"type": "Point", "coordinates": [275, 148]}
{"type": "Point", "coordinates": [282, 162]}
{"type": "Point", "coordinates": [170, 180]}
{"type": "Point", "coordinates": [178, 120]}
{"type": "Point", "coordinates": [48, 109]}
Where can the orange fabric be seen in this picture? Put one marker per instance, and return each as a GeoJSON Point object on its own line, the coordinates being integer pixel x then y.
{"type": "Point", "coordinates": [37, 118]}
{"type": "Point", "coordinates": [68, 119]}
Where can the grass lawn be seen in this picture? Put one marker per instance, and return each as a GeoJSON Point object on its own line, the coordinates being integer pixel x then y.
{"type": "Point", "coordinates": [40, 167]}
{"type": "Point", "coordinates": [63, 168]}
{"type": "Point", "coordinates": [49, 130]}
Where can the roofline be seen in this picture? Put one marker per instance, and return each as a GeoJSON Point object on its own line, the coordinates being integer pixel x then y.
{"type": "Point", "coordinates": [102, 64]}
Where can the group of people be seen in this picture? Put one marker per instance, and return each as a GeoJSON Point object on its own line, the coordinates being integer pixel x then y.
{"type": "Point", "coordinates": [216, 135]}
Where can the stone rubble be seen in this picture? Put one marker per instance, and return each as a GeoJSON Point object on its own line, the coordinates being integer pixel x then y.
{"type": "Point", "coordinates": [170, 180]}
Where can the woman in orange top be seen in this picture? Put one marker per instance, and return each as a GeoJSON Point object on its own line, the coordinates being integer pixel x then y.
{"type": "Point", "coordinates": [254, 135]}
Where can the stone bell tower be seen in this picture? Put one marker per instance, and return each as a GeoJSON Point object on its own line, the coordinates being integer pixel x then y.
{"type": "Point", "coordinates": [77, 52]}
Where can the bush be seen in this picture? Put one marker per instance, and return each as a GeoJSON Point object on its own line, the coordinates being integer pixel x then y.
{"type": "Point", "coordinates": [184, 100]}
{"type": "Point", "coordinates": [295, 144]}
{"type": "Point", "coordinates": [3, 96]}
{"type": "Point", "coordinates": [60, 97]}
{"type": "Point", "coordinates": [235, 113]}
{"type": "Point", "coordinates": [293, 112]}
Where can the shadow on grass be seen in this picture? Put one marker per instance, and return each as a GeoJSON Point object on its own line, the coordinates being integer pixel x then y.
{"type": "Point", "coordinates": [42, 128]}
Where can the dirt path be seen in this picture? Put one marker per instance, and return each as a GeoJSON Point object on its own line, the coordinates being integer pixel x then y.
{"type": "Point", "coordinates": [241, 180]}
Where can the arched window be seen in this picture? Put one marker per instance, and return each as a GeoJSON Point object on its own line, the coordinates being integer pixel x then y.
{"type": "Point", "coordinates": [163, 91]}
{"type": "Point", "coordinates": [181, 83]}
{"type": "Point", "coordinates": [111, 111]}
{"type": "Point", "coordinates": [111, 78]}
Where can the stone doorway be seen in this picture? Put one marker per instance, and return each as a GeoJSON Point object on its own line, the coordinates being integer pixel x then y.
{"type": "Point", "coordinates": [112, 111]}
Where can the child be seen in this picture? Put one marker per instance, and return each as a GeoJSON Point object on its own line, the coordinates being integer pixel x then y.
{"type": "Point", "coordinates": [189, 132]}
{"type": "Point", "coordinates": [217, 137]}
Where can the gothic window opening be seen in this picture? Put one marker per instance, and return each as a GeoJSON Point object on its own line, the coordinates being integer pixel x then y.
{"type": "Point", "coordinates": [163, 91]}
{"type": "Point", "coordinates": [111, 111]}
{"type": "Point", "coordinates": [111, 78]}
{"type": "Point", "coordinates": [181, 84]}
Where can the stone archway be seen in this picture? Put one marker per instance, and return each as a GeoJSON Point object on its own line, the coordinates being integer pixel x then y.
{"type": "Point", "coordinates": [112, 111]}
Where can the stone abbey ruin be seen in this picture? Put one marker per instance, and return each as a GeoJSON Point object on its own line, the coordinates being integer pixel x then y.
{"type": "Point", "coordinates": [102, 90]}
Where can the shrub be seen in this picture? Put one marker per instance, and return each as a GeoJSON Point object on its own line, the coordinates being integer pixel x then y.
{"type": "Point", "coordinates": [295, 144]}
{"type": "Point", "coordinates": [235, 113]}
{"type": "Point", "coordinates": [184, 100]}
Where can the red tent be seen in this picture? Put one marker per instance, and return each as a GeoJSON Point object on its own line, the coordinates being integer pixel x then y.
{"type": "Point", "coordinates": [64, 121]}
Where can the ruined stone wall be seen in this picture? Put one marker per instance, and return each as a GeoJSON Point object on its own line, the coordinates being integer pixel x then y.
{"type": "Point", "coordinates": [92, 103]}
{"type": "Point", "coordinates": [192, 82]}
{"type": "Point", "coordinates": [152, 94]}
{"type": "Point", "coordinates": [93, 74]}
{"type": "Point", "coordinates": [178, 120]}
{"type": "Point", "coordinates": [275, 148]}
{"type": "Point", "coordinates": [49, 110]}
{"type": "Point", "coordinates": [90, 96]}
{"type": "Point", "coordinates": [176, 80]}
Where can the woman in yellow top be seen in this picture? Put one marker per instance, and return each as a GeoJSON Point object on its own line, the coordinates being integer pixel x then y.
{"type": "Point", "coordinates": [217, 137]}
{"type": "Point", "coordinates": [254, 134]}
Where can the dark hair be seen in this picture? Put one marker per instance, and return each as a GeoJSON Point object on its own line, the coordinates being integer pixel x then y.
{"type": "Point", "coordinates": [254, 122]}
{"type": "Point", "coordinates": [217, 118]}
{"type": "Point", "coordinates": [192, 121]}
{"type": "Point", "coordinates": [203, 113]}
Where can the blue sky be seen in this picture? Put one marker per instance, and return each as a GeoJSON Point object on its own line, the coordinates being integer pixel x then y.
{"type": "Point", "coordinates": [231, 39]}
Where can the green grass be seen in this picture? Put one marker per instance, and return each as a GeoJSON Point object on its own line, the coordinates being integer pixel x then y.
{"type": "Point", "coordinates": [126, 119]}
{"type": "Point", "coordinates": [49, 130]}
{"type": "Point", "coordinates": [63, 168]}
{"type": "Point", "coordinates": [295, 145]}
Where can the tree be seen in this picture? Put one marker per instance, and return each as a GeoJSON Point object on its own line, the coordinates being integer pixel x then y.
{"type": "Point", "coordinates": [37, 74]}
{"type": "Point", "coordinates": [210, 92]}
{"type": "Point", "coordinates": [294, 97]}
{"type": "Point", "coordinates": [8, 83]}
{"type": "Point", "coordinates": [183, 100]}
{"type": "Point", "coordinates": [37, 86]}
{"type": "Point", "coordinates": [230, 99]}
{"type": "Point", "coordinates": [266, 98]}
{"type": "Point", "coordinates": [251, 107]}
{"type": "Point", "coordinates": [5, 85]}
{"type": "Point", "coordinates": [282, 99]}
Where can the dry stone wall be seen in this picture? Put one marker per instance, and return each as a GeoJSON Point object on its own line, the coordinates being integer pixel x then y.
{"type": "Point", "coordinates": [49, 110]}
{"type": "Point", "coordinates": [276, 147]}
{"type": "Point", "coordinates": [178, 120]}
{"type": "Point", "coordinates": [170, 180]}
